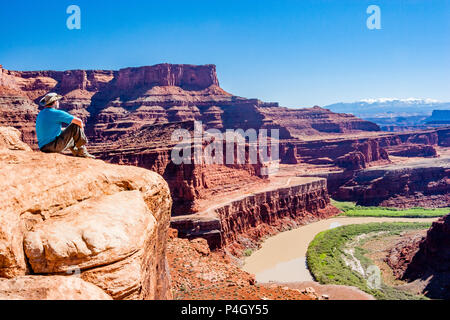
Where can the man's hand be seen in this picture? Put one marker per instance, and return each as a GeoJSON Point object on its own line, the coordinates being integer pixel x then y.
{"type": "Point", "coordinates": [78, 122]}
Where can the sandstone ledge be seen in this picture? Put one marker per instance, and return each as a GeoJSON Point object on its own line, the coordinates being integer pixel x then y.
{"type": "Point", "coordinates": [49, 288]}
{"type": "Point", "coordinates": [63, 214]}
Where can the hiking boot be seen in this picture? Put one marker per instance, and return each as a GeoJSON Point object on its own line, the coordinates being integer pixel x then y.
{"type": "Point", "coordinates": [74, 151]}
{"type": "Point", "coordinates": [82, 152]}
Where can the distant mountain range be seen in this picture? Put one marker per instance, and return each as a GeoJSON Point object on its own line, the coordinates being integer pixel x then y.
{"type": "Point", "coordinates": [390, 107]}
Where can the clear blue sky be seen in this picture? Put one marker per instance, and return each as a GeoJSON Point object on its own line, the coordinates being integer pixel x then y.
{"type": "Point", "coordinates": [299, 53]}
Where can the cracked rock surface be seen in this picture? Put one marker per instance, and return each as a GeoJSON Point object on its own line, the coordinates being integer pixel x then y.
{"type": "Point", "coordinates": [62, 216]}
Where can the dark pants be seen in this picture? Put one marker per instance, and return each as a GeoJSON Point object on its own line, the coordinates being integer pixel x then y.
{"type": "Point", "coordinates": [72, 136]}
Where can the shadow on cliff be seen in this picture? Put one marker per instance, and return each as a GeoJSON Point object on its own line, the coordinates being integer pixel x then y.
{"type": "Point", "coordinates": [437, 283]}
{"type": "Point", "coordinates": [431, 263]}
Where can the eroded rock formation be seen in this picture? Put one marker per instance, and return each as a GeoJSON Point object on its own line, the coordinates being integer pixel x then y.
{"type": "Point", "coordinates": [242, 222]}
{"type": "Point", "coordinates": [425, 259]}
{"type": "Point", "coordinates": [117, 102]}
{"type": "Point", "coordinates": [152, 148]}
{"type": "Point", "coordinates": [423, 183]}
{"type": "Point", "coordinates": [316, 120]}
{"type": "Point", "coordinates": [127, 110]}
{"type": "Point", "coordinates": [361, 151]}
{"type": "Point", "coordinates": [412, 150]}
{"type": "Point", "coordinates": [71, 216]}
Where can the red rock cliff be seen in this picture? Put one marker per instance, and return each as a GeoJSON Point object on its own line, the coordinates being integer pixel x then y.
{"type": "Point", "coordinates": [188, 77]}
{"type": "Point", "coordinates": [245, 221]}
{"type": "Point", "coordinates": [427, 259]}
{"type": "Point", "coordinates": [115, 102]}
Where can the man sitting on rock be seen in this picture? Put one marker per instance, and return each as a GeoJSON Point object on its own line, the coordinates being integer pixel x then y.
{"type": "Point", "coordinates": [51, 137]}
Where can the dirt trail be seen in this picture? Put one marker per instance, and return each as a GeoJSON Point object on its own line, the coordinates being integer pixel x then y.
{"type": "Point", "coordinates": [282, 258]}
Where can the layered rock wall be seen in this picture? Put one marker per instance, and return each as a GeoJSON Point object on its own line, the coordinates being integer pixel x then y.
{"type": "Point", "coordinates": [420, 184]}
{"type": "Point", "coordinates": [426, 259]}
{"type": "Point", "coordinates": [152, 148]}
{"type": "Point", "coordinates": [117, 102]}
{"type": "Point", "coordinates": [316, 121]}
{"type": "Point", "coordinates": [243, 222]}
{"type": "Point", "coordinates": [347, 153]}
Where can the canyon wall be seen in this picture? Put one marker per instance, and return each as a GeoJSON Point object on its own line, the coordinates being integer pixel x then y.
{"type": "Point", "coordinates": [358, 152]}
{"type": "Point", "coordinates": [426, 259]}
{"type": "Point", "coordinates": [417, 184]}
{"type": "Point", "coordinates": [243, 222]}
{"type": "Point", "coordinates": [131, 113]}
{"type": "Point", "coordinates": [117, 102]}
{"type": "Point", "coordinates": [349, 153]}
{"type": "Point", "coordinates": [152, 148]}
{"type": "Point", "coordinates": [19, 112]}
{"type": "Point", "coordinates": [316, 120]}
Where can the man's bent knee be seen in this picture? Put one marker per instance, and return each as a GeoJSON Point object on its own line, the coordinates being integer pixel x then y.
{"type": "Point", "coordinates": [77, 133]}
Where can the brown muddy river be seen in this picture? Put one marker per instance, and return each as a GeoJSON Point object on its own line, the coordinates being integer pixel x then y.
{"type": "Point", "coordinates": [282, 258]}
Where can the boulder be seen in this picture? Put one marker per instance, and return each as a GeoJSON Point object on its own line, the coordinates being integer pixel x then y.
{"type": "Point", "coordinates": [49, 288]}
{"type": "Point", "coordinates": [10, 140]}
{"type": "Point", "coordinates": [91, 233]}
{"type": "Point", "coordinates": [62, 214]}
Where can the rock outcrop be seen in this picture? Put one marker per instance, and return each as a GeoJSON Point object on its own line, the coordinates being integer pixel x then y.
{"type": "Point", "coordinates": [423, 183]}
{"type": "Point", "coordinates": [362, 150]}
{"type": "Point", "coordinates": [402, 253]}
{"type": "Point", "coordinates": [349, 153]}
{"type": "Point", "coordinates": [64, 215]}
{"type": "Point", "coordinates": [413, 150]}
{"type": "Point", "coordinates": [10, 140]}
{"type": "Point", "coordinates": [49, 288]}
{"type": "Point", "coordinates": [316, 120]}
{"type": "Point", "coordinates": [444, 137]}
{"type": "Point", "coordinates": [425, 259]}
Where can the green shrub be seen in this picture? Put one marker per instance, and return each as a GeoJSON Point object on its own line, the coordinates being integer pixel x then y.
{"type": "Point", "coordinates": [352, 210]}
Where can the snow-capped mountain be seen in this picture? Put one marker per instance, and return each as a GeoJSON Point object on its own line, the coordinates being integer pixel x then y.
{"type": "Point", "coordinates": [390, 107]}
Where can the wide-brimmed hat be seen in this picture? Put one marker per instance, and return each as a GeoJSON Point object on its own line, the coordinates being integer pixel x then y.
{"type": "Point", "coordinates": [49, 99]}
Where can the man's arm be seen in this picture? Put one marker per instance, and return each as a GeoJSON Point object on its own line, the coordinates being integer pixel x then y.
{"type": "Point", "coordinates": [78, 122]}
